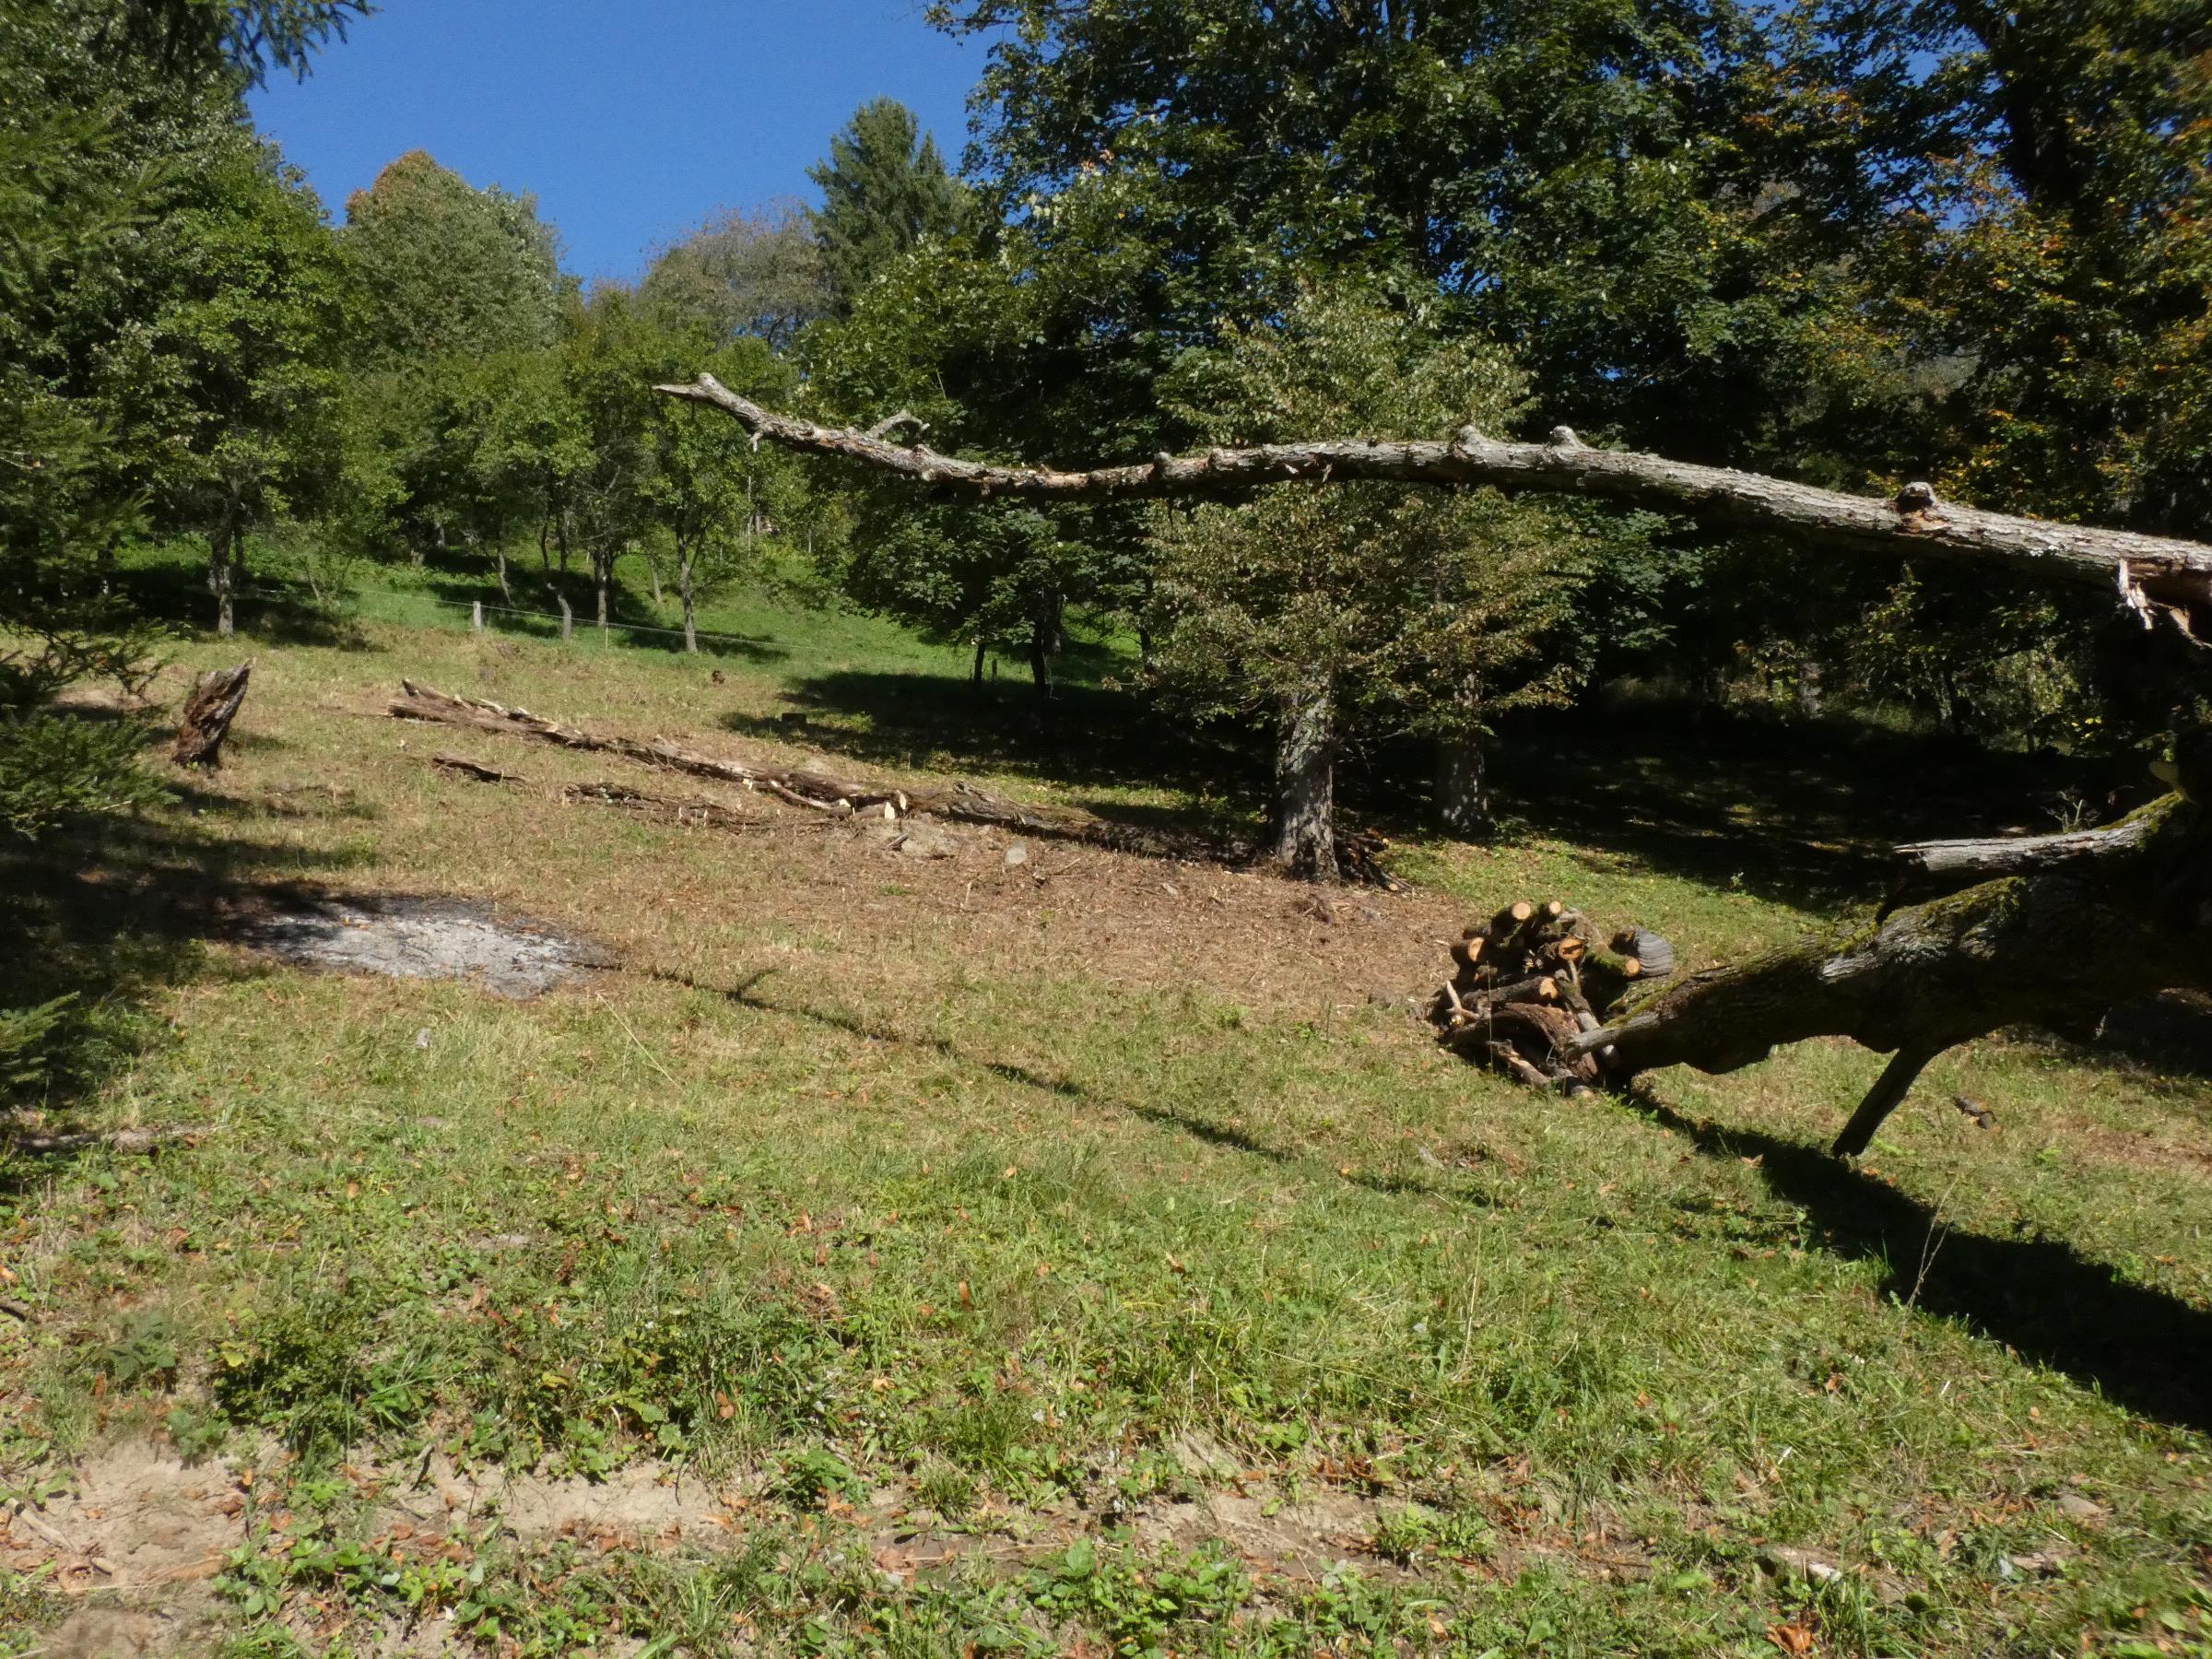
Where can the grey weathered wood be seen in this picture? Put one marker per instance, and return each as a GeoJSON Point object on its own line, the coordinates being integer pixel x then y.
{"type": "Point", "coordinates": [1927, 869]}
{"type": "Point", "coordinates": [2149, 573]}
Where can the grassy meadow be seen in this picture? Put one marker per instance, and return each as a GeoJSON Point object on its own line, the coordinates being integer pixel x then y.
{"type": "Point", "coordinates": [1080, 1255]}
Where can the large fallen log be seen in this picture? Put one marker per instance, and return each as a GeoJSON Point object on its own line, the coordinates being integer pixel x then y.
{"type": "Point", "coordinates": [2151, 575]}
{"type": "Point", "coordinates": [959, 802]}
{"type": "Point", "coordinates": [208, 711]}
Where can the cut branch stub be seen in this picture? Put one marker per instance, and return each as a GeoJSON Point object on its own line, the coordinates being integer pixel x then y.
{"type": "Point", "coordinates": [2152, 575]}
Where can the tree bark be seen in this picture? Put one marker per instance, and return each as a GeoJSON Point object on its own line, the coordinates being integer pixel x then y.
{"type": "Point", "coordinates": [1305, 771]}
{"type": "Point", "coordinates": [1462, 801]}
{"type": "Point", "coordinates": [1462, 796]}
{"type": "Point", "coordinates": [222, 573]}
{"type": "Point", "coordinates": [2151, 575]}
{"type": "Point", "coordinates": [683, 579]}
{"type": "Point", "coordinates": [208, 711]}
{"type": "Point", "coordinates": [652, 570]}
{"type": "Point", "coordinates": [1041, 659]}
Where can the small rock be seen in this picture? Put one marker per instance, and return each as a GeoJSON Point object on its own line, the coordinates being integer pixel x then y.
{"type": "Point", "coordinates": [422, 1037]}
{"type": "Point", "coordinates": [1784, 1561]}
{"type": "Point", "coordinates": [925, 840]}
{"type": "Point", "coordinates": [2080, 1508]}
{"type": "Point", "coordinates": [1383, 996]}
{"type": "Point", "coordinates": [1017, 856]}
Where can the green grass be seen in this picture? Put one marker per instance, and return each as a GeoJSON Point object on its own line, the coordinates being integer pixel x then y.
{"type": "Point", "coordinates": [876, 1198]}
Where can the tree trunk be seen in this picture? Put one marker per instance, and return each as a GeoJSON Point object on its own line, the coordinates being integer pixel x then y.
{"type": "Point", "coordinates": [561, 528]}
{"type": "Point", "coordinates": [683, 579]}
{"type": "Point", "coordinates": [545, 555]}
{"type": "Point", "coordinates": [498, 555]}
{"type": "Point", "coordinates": [652, 570]}
{"type": "Point", "coordinates": [1041, 657]}
{"type": "Point", "coordinates": [975, 676]}
{"type": "Point", "coordinates": [1305, 772]}
{"type": "Point", "coordinates": [1462, 800]}
{"type": "Point", "coordinates": [1463, 794]}
{"type": "Point", "coordinates": [208, 711]}
{"type": "Point", "coordinates": [602, 566]}
{"type": "Point", "coordinates": [222, 573]}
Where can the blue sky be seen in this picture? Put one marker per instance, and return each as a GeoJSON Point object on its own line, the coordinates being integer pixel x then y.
{"type": "Point", "coordinates": [629, 121]}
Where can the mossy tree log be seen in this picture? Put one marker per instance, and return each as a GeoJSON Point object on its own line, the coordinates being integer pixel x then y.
{"type": "Point", "coordinates": [2080, 932]}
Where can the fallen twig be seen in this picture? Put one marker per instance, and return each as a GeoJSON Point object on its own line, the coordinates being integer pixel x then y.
{"type": "Point", "coordinates": [116, 1140]}
{"type": "Point", "coordinates": [482, 773]}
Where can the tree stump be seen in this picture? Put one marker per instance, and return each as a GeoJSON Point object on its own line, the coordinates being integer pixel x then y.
{"type": "Point", "coordinates": [208, 713]}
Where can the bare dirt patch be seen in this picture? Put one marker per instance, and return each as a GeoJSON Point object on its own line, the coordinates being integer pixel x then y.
{"type": "Point", "coordinates": [401, 937]}
{"type": "Point", "coordinates": [137, 1541]}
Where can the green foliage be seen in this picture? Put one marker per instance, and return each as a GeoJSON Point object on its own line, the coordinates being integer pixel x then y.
{"type": "Point", "coordinates": [885, 190]}
{"type": "Point", "coordinates": [1401, 599]}
{"type": "Point", "coordinates": [442, 270]}
{"type": "Point", "coordinates": [757, 274]}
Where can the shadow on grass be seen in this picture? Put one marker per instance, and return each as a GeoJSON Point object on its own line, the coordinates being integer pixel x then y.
{"type": "Point", "coordinates": [2149, 1352]}
{"type": "Point", "coordinates": [534, 612]}
{"type": "Point", "coordinates": [2146, 1350]}
{"type": "Point", "coordinates": [1083, 737]}
{"type": "Point", "coordinates": [107, 915]}
{"type": "Point", "coordinates": [269, 610]}
{"type": "Point", "coordinates": [747, 994]}
{"type": "Point", "coordinates": [1804, 813]}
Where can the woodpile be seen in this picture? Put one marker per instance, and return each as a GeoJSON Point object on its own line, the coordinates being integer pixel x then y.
{"type": "Point", "coordinates": [1531, 979]}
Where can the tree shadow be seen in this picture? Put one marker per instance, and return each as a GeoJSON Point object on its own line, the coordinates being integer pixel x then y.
{"type": "Point", "coordinates": [270, 609]}
{"type": "Point", "coordinates": [534, 612]}
{"type": "Point", "coordinates": [1803, 813]}
{"type": "Point", "coordinates": [107, 914]}
{"type": "Point", "coordinates": [1085, 737]}
{"type": "Point", "coordinates": [2145, 1348]}
{"type": "Point", "coordinates": [2148, 1350]}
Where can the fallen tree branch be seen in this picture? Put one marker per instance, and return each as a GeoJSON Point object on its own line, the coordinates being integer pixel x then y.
{"type": "Point", "coordinates": [2149, 573]}
{"type": "Point", "coordinates": [462, 766]}
{"type": "Point", "coordinates": [1922, 870]}
{"type": "Point", "coordinates": [114, 1140]}
{"type": "Point", "coordinates": [696, 813]}
{"type": "Point", "coordinates": [959, 802]}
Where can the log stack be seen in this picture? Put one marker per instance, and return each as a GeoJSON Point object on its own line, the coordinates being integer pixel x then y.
{"type": "Point", "coordinates": [1532, 978]}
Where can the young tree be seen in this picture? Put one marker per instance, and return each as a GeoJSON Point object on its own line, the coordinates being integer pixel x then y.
{"type": "Point", "coordinates": [713, 488]}
{"type": "Point", "coordinates": [884, 190]}
{"type": "Point", "coordinates": [1369, 608]}
{"type": "Point", "coordinates": [608, 363]}
{"type": "Point", "coordinates": [441, 269]}
{"type": "Point", "coordinates": [232, 375]}
{"type": "Point", "coordinates": [1009, 352]}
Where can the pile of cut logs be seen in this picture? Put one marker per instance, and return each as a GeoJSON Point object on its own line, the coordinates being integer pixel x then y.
{"type": "Point", "coordinates": [1531, 979]}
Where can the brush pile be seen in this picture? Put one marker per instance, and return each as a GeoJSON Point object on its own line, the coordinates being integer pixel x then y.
{"type": "Point", "coordinates": [1531, 979]}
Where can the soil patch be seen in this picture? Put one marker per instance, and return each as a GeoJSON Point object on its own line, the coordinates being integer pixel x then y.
{"type": "Point", "coordinates": [406, 937]}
